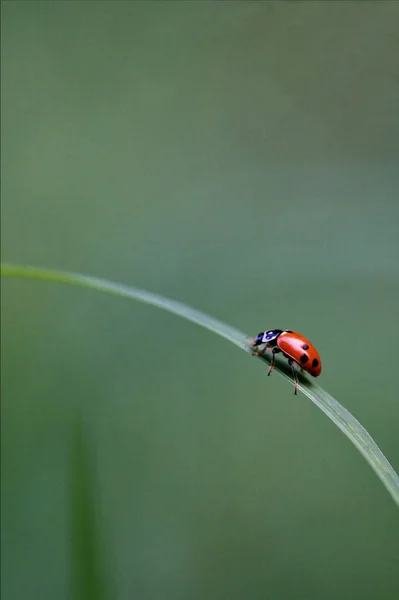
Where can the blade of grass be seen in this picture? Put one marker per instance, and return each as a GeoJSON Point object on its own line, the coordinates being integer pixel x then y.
{"type": "Point", "coordinates": [331, 407]}
{"type": "Point", "coordinates": [87, 560]}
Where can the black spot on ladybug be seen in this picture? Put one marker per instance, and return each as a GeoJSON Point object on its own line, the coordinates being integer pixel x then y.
{"type": "Point", "coordinates": [289, 331]}
{"type": "Point", "coordinates": [315, 362]}
{"type": "Point", "coordinates": [305, 347]}
{"type": "Point", "coordinates": [304, 359]}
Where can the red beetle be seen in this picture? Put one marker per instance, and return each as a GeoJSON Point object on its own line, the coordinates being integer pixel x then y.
{"type": "Point", "coordinates": [294, 347]}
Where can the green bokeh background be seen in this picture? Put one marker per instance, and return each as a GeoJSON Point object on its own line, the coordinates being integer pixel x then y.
{"type": "Point", "coordinates": [241, 157]}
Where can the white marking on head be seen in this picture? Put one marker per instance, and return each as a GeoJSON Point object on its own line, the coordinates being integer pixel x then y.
{"type": "Point", "coordinates": [268, 336]}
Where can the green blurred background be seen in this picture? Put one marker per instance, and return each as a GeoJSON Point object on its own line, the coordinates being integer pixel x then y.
{"type": "Point", "coordinates": [241, 157]}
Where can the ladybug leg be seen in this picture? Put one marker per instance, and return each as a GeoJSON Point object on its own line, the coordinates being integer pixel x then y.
{"type": "Point", "coordinates": [294, 374]}
{"type": "Point", "coordinates": [260, 352]}
{"type": "Point", "coordinates": [274, 352]}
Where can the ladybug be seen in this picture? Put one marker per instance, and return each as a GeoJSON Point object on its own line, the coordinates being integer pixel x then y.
{"type": "Point", "coordinates": [294, 347]}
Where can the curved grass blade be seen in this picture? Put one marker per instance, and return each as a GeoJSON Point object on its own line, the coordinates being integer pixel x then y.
{"type": "Point", "coordinates": [331, 407]}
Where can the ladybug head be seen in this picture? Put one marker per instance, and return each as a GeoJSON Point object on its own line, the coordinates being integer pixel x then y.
{"type": "Point", "coordinates": [266, 336]}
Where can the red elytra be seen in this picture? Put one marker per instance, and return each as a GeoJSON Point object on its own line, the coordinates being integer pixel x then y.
{"type": "Point", "coordinates": [294, 346]}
